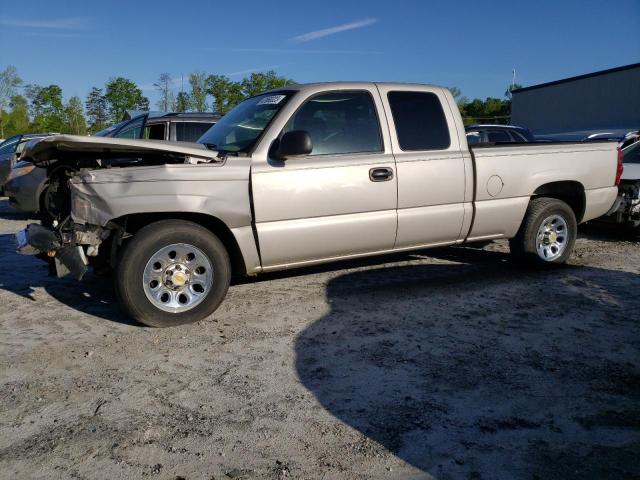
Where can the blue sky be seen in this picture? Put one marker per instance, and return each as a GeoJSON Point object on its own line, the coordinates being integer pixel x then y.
{"type": "Point", "coordinates": [470, 44]}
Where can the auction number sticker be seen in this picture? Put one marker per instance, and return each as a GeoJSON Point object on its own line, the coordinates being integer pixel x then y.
{"type": "Point", "coordinates": [271, 100]}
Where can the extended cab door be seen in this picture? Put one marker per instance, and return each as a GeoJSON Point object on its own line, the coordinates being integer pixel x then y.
{"type": "Point", "coordinates": [338, 201]}
{"type": "Point", "coordinates": [433, 184]}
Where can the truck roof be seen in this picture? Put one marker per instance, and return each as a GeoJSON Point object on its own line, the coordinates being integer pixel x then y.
{"type": "Point", "coordinates": [349, 85]}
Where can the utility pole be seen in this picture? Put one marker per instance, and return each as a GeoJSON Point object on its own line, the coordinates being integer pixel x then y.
{"type": "Point", "coordinates": [513, 80]}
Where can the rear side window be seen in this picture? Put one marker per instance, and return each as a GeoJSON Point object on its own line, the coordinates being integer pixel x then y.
{"type": "Point", "coordinates": [498, 136]}
{"type": "Point", "coordinates": [191, 131]}
{"type": "Point", "coordinates": [420, 121]}
{"type": "Point", "coordinates": [155, 131]}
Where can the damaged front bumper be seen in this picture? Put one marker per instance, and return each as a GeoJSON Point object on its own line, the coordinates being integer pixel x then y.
{"type": "Point", "coordinates": [68, 257]}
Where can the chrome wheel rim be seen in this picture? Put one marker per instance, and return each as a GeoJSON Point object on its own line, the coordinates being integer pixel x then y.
{"type": "Point", "coordinates": [552, 238]}
{"type": "Point", "coordinates": [177, 277]}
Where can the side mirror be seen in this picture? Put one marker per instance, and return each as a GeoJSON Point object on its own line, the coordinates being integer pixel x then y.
{"type": "Point", "coordinates": [296, 142]}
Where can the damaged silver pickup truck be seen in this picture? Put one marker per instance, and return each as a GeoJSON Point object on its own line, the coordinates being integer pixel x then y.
{"type": "Point", "coordinates": [303, 175]}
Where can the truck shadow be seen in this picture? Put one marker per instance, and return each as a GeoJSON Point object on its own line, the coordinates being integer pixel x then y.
{"type": "Point", "coordinates": [464, 372]}
{"type": "Point", "coordinates": [7, 212]}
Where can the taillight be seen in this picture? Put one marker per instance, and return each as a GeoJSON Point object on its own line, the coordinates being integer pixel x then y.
{"type": "Point", "coordinates": [620, 167]}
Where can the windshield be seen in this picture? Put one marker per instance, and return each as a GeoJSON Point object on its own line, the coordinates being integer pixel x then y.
{"type": "Point", "coordinates": [108, 130]}
{"type": "Point", "coordinates": [632, 153]}
{"type": "Point", "coordinates": [239, 130]}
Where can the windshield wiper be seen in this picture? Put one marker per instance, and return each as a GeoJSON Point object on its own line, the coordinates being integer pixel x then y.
{"type": "Point", "coordinates": [211, 146]}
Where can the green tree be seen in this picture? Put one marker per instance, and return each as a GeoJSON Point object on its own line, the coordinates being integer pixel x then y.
{"type": "Point", "coordinates": [183, 102]}
{"type": "Point", "coordinates": [121, 95]}
{"type": "Point", "coordinates": [494, 110]}
{"type": "Point", "coordinates": [261, 82]}
{"type": "Point", "coordinates": [74, 117]}
{"type": "Point", "coordinates": [17, 120]}
{"type": "Point", "coordinates": [227, 93]}
{"type": "Point", "coordinates": [96, 106]}
{"type": "Point", "coordinates": [9, 82]}
{"type": "Point", "coordinates": [47, 108]}
{"type": "Point", "coordinates": [198, 82]}
{"type": "Point", "coordinates": [167, 98]}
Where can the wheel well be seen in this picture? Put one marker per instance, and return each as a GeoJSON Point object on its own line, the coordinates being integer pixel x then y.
{"type": "Point", "coordinates": [570, 192]}
{"type": "Point", "coordinates": [135, 222]}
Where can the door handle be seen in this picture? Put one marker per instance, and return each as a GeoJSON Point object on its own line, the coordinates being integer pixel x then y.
{"type": "Point", "coordinates": [380, 174]}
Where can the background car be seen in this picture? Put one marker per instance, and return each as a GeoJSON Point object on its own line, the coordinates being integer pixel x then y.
{"type": "Point", "coordinates": [626, 208]}
{"type": "Point", "coordinates": [26, 184]}
{"type": "Point", "coordinates": [624, 138]}
{"type": "Point", "coordinates": [478, 134]}
{"type": "Point", "coordinates": [10, 149]}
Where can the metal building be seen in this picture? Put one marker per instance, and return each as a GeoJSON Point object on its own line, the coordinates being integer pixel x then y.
{"type": "Point", "coordinates": [608, 100]}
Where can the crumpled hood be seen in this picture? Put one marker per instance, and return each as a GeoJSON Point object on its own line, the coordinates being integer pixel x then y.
{"type": "Point", "coordinates": [41, 151]}
{"type": "Point", "coordinates": [217, 189]}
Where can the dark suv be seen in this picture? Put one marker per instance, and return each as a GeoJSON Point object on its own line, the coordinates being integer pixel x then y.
{"type": "Point", "coordinates": [173, 127]}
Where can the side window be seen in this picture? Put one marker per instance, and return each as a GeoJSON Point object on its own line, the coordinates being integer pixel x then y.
{"type": "Point", "coordinates": [339, 122]}
{"type": "Point", "coordinates": [191, 131]}
{"type": "Point", "coordinates": [518, 137]}
{"type": "Point", "coordinates": [498, 136]}
{"type": "Point", "coordinates": [420, 121]}
{"type": "Point", "coordinates": [132, 130]}
{"type": "Point", "coordinates": [155, 131]}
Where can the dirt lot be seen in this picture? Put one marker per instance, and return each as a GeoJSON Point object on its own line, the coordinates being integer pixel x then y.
{"type": "Point", "coordinates": [451, 363]}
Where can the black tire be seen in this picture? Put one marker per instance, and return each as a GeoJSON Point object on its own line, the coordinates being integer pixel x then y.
{"type": "Point", "coordinates": [523, 245]}
{"type": "Point", "coordinates": [144, 244]}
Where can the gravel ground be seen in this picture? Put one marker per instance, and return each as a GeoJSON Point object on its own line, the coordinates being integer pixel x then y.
{"type": "Point", "coordinates": [450, 363]}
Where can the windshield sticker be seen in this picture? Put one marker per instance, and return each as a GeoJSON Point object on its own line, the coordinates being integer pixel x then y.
{"type": "Point", "coordinates": [271, 100]}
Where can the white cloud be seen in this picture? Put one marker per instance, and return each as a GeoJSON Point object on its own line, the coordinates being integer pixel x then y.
{"type": "Point", "coordinates": [70, 23]}
{"type": "Point", "coordinates": [307, 37]}
{"type": "Point", "coordinates": [56, 35]}
{"type": "Point", "coordinates": [293, 50]}
{"type": "Point", "coordinates": [252, 70]}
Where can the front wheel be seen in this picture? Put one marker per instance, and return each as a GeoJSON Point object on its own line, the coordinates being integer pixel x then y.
{"type": "Point", "coordinates": [171, 273]}
{"type": "Point", "coordinates": [547, 234]}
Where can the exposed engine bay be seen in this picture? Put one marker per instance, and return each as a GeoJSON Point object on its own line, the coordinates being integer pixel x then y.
{"type": "Point", "coordinates": [65, 241]}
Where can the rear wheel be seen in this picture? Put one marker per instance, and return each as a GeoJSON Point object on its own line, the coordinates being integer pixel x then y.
{"type": "Point", "coordinates": [547, 234]}
{"type": "Point", "coordinates": [172, 272]}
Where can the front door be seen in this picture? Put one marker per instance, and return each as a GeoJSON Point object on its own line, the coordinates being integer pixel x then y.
{"type": "Point", "coordinates": [338, 201]}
